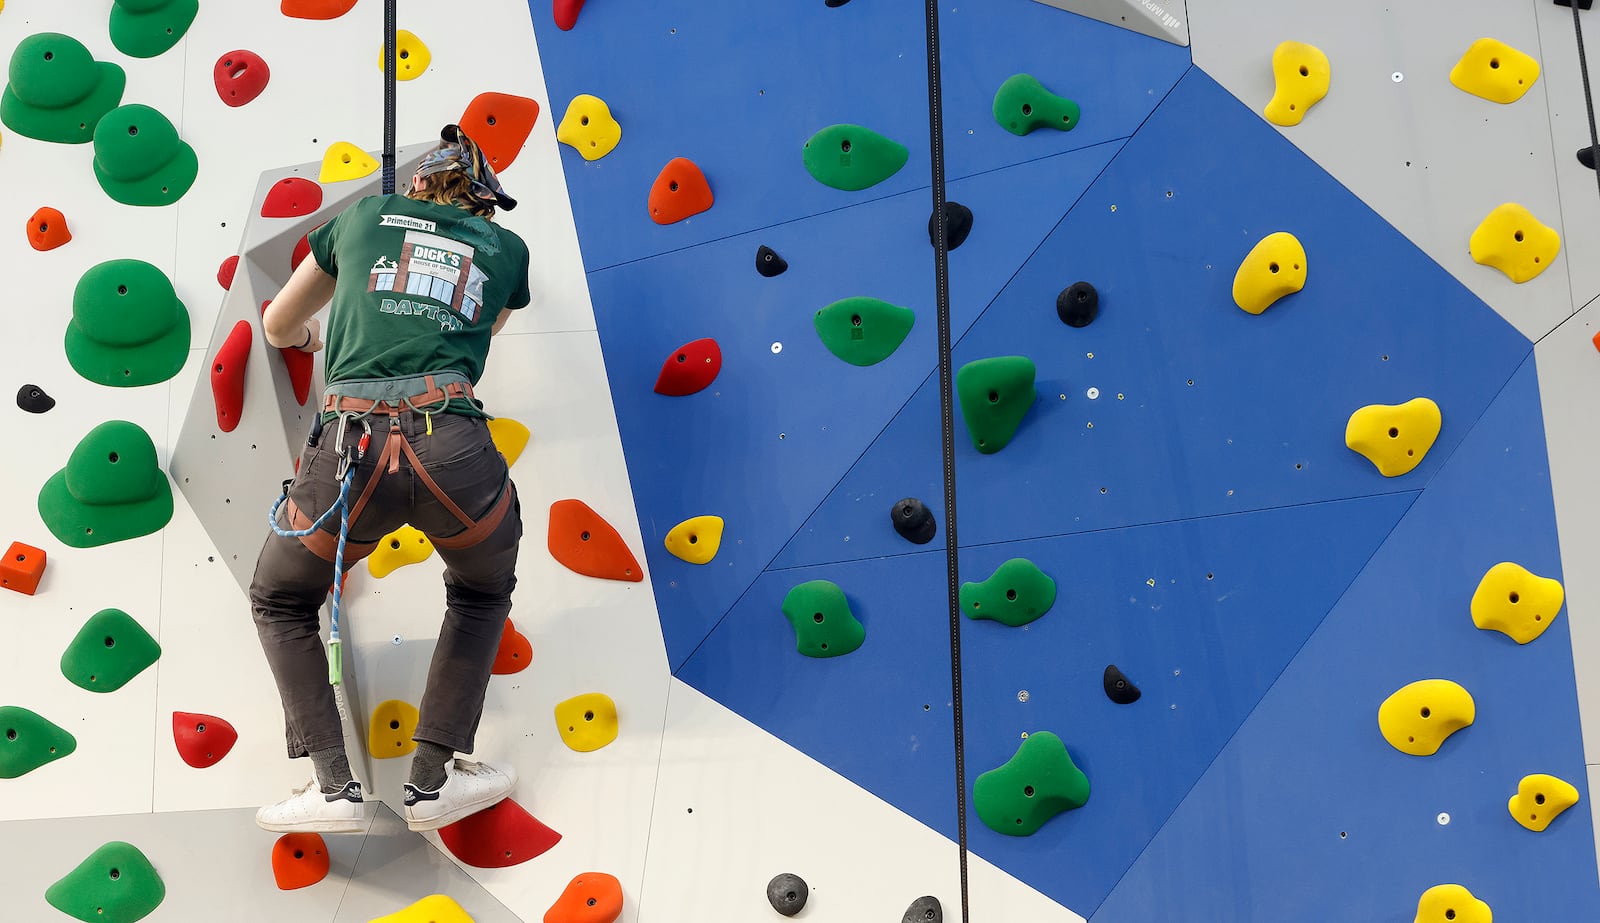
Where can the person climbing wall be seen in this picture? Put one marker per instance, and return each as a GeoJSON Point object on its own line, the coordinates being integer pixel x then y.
{"type": "Point", "coordinates": [418, 284]}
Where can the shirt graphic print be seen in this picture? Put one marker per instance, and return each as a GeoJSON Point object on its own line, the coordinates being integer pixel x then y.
{"type": "Point", "coordinates": [436, 268]}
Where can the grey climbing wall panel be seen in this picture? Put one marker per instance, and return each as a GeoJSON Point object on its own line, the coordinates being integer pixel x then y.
{"type": "Point", "coordinates": [1167, 21]}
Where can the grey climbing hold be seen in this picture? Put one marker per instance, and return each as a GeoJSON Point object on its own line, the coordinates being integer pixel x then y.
{"type": "Point", "coordinates": [787, 893]}
{"type": "Point", "coordinates": [33, 399]}
{"type": "Point", "coordinates": [914, 521]}
{"type": "Point", "coordinates": [1119, 688]}
{"type": "Point", "coordinates": [957, 225]}
{"type": "Point", "coordinates": [769, 263]}
{"type": "Point", "coordinates": [924, 910]}
{"type": "Point", "coordinates": [1078, 304]}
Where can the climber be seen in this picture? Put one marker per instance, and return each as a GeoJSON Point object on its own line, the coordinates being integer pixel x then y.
{"type": "Point", "coordinates": [418, 284]}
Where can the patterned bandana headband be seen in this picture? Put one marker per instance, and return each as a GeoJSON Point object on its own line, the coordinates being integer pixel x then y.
{"type": "Point", "coordinates": [456, 151]}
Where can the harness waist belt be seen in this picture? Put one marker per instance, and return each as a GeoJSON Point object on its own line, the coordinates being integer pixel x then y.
{"type": "Point", "coordinates": [391, 395]}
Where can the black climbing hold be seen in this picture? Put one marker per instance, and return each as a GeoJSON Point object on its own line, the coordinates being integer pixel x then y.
{"type": "Point", "coordinates": [914, 521]}
{"type": "Point", "coordinates": [787, 893]}
{"type": "Point", "coordinates": [833, 3]}
{"type": "Point", "coordinates": [1586, 156]}
{"type": "Point", "coordinates": [924, 910]}
{"type": "Point", "coordinates": [1078, 304]}
{"type": "Point", "coordinates": [1119, 688]}
{"type": "Point", "coordinates": [957, 224]}
{"type": "Point", "coordinates": [1582, 4]}
{"type": "Point", "coordinates": [769, 263]}
{"type": "Point", "coordinates": [33, 399]}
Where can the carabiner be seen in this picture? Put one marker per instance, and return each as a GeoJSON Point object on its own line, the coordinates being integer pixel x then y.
{"type": "Point", "coordinates": [351, 454]}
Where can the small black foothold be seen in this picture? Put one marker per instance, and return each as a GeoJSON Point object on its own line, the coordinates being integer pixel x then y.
{"type": "Point", "coordinates": [1582, 4]}
{"type": "Point", "coordinates": [924, 910]}
{"type": "Point", "coordinates": [787, 893]}
{"type": "Point", "coordinates": [914, 521]}
{"type": "Point", "coordinates": [957, 224]}
{"type": "Point", "coordinates": [833, 3]}
{"type": "Point", "coordinates": [33, 399]}
{"type": "Point", "coordinates": [1119, 688]}
{"type": "Point", "coordinates": [1078, 304]}
{"type": "Point", "coordinates": [1586, 156]}
{"type": "Point", "coordinates": [769, 263]}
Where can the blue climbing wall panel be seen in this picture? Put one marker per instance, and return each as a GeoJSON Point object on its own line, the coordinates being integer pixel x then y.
{"type": "Point", "coordinates": [1182, 474]}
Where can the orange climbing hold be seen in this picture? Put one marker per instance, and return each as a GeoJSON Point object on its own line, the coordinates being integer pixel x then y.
{"type": "Point", "coordinates": [227, 376]}
{"type": "Point", "coordinates": [592, 897]}
{"type": "Point", "coordinates": [499, 123]}
{"type": "Point", "coordinates": [47, 229]}
{"type": "Point", "coordinates": [498, 837]}
{"type": "Point", "coordinates": [22, 568]}
{"type": "Point", "coordinates": [586, 544]}
{"type": "Point", "coordinates": [515, 653]}
{"type": "Point", "coordinates": [316, 9]}
{"type": "Point", "coordinates": [299, 860]}
{"type": "Point", "coordinates": [679, 192]}
{"type": "Point", "coordinates": [566, 13]}
{"type": "Point", "coordinates": [294, 197]}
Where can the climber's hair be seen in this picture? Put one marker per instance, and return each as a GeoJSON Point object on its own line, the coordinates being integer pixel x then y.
{"type": "Point", "coordinates": [452, 187]}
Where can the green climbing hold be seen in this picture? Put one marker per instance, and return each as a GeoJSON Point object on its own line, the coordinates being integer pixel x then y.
{"type": "Point", "coordinates": [823, 623]}
{"type": "Point", "coordinates": [146, 28]}
{"type": "Point", "coordinates": [57, 90]}
{"type": "Point", "coordinates": [116, 884]}
{"type": "Point", "coordinates": [128, 327]}
{"type": "Point", "coordinates": [1023, 104]}
{"type": "Point", "coordinates": [1037, 783]}
{"type": "Point", "coordinates": [111, 489]}
{"type": "Point", "coordinates": [28, 741]}
{"type": "Point", "coordinates": [1016, 594]}
{"type": "Point", "coordinates": [995, 395]}
{"type": "Point", "coordinates": [110, 649]}
{"type": "Point", "coordinates": [850, 157]}
{"type": "Point", "coordinates": [863, 331]}
{"type": "Point", "coordinates": [139, 158]}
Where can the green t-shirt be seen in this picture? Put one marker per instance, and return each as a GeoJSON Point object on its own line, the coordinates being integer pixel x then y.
{"type": "Point", "coordinates": [419, 287]}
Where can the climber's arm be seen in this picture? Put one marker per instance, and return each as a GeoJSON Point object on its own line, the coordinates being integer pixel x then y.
{"type": "Point", "coordinates": [290, 315]}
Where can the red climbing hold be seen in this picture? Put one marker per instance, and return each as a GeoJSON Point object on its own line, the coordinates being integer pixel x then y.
{"type": "Point", "coordinates": [240, 76]}
{"type": "Point", "coordinates": [226, 270]}
{"type": "Point", "coordinates": [586, 544]}
{"type": "Point", "coordinates": [302, 249]}
{"type": "Point", "coordinates": [499, 123]}
{"type": "Point", "coordinates": [679, 192]}
{"type": "Point", "coordinates": [227, 375]}
{"type": "Point", "coordinates": [299, 364]}
{"type": "Point", "coordinates": [202, 740]}
{"type": "Point", "coordinates": [497, 837]}
{"type": "Point", "coordinates": [566, 13]}
{"type": "Point", "coordinates": [294, 197]}
{"type": "Point", "coordinates": [316, 9]}
{"type": "Point", "coordinates": [592, 897]}
{"type": "Point", "coordinates": [22, 568]}
{"type": "Point", "coordinates": [299, 860]}
{"type": "Point", "coordinates": [690, 368]}
{"type": "Point", "coordinates": [515, 653]}
{"type": "Point", "coordinates": [47, 229]}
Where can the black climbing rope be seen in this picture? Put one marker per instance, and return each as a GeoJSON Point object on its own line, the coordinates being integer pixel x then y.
{"type": "Point", "coordinates": [941, 270]}
{"type": "Point", "coordinates": [1588, 97]}
{"type": "Point", "coordinates": [389, 27]}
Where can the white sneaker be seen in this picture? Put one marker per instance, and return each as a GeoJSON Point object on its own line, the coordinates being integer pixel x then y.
{"type": "Point", "coordinates": [468, 788]}
{"type": "Point", "coordinates": [309, 810]}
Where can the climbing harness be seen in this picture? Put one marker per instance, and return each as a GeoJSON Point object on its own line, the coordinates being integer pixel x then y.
{"type": "Point", "coordinates": [354, 402]}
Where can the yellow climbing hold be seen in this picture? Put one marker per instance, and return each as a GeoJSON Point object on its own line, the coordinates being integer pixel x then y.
{"type": "Point", "coordinates": [403, 546]}
{"type": "Point", "coordinates": [1394, 437]}
{"type": "Point", "coordinates": [1513, 241]}
{"type": "Point", "coordinates": [1300, 75]}
{"type": "Point", "coordinates": [1516, 601]}
{"type": "Point", "coordinates": [1539, 799]}
{"type": "Point", "coordinates": [435, 908]}
{"type": "Point", "coordinates": [1495, 71]}
{"type": "Point", "coordinates": [389, 734]}
{"type": "Point", "coordinates": [345, 161]}
{"type": "Point", "coordinates": [510, 437]}
{"type": "Point", "coordinates": [1418, 717]}
{"type": "Point", "coordinates": [587, 722]}
{"type": "Point", "coordinates": [1451, 904]}
{"type": "Point", "coordinates": [696, 540]}
{"type": "Point", "coordinates": [588, 127]}
{"type": "Point", "coordinates": [1275, 267]}
{"type": "Point", "coordinates": [411, 57]}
